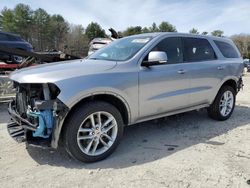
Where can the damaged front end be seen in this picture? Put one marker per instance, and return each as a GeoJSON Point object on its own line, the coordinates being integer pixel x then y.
{"type": "Point", "coordinates": [35, 113]}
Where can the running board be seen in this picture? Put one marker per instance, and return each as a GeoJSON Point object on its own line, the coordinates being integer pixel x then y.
{"type": "Point", "coordinates": [172, 113]}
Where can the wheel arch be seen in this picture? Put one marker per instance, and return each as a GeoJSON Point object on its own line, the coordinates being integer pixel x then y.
{"type": "Point", "coordinates": [230, 82]}
{"type": "Point", "coordinates": [112, 98]}
{"type": "Point", "coordinates": [214, 110]}
{"type": "Point", "coordinates": [116, 100]}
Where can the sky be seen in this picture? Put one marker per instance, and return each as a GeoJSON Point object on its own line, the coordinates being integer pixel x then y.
{"type": "Point", "coordinates": [231, 16]}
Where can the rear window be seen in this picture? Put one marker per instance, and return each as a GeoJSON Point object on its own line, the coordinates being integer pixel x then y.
{"type": "Point", "coordinates": [226, 49]}
{"type": "Point", "coordinates": [196, 49]}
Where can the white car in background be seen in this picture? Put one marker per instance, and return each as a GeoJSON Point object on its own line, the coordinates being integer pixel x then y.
{"type": "Point", "coordinates": [98, 43]}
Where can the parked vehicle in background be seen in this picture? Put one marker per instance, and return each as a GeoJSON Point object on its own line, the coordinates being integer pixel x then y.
{"type": "Point", "coordinates": [11, 40]}
{"type": "Point", "coordinates": [97, 44]}
{"type": "Point", "coordinates": [247, 64]}
{"type": "Point", "coordinates": [86, 103]}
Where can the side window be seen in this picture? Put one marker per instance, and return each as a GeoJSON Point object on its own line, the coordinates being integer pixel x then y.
{"type": "Point", "coordinates": [173, 47]}
{"type": "Point", "coordinates": [226, 49]}
{"type": "Point", "coordinates": [3, 37]}
{"type": "Point", "coordinates": [196, 49]}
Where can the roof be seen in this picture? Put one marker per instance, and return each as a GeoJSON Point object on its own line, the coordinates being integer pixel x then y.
{"type": "Point", "coordinates": [13, 34]}
{"type": "Point", "coordinates": [155, 34]}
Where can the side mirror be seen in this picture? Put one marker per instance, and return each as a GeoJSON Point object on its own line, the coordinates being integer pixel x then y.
{"type": "Point", "coordinates": [155, 58]}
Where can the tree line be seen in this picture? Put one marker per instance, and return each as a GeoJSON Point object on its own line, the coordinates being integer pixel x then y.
{"type": "Point", "coordinates": [47, 32]}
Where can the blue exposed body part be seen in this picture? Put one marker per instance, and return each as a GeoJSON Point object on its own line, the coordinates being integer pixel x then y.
{"type": "Point", "coordinates": [45, 123]}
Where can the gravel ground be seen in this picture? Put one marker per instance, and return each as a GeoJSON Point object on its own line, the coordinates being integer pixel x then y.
{"type": "Point", "coordinates": [186, 150]}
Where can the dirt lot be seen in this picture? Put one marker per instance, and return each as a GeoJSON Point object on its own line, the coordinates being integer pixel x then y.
{"type": "Point", "coordinates": [188, 150]}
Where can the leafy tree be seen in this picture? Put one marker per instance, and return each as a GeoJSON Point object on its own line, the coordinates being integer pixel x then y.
{"type": "Point", "coordinates": [166, 27]}
{"type": "Point", "coordinates": [58, 29]}
{"type": "Point", "coordinates": [41, 21]}
{"type": "Point", "coordinates": [163, 27]}
{"type": "Point", "coordinates": [77, 41]}
{"type": "Point", "coordinates": [194, 31]}
{"type": "Point", "coordinates": [242, 41]}
{"type": "Point", "coordinates": [42, 30]}
{"type": "Point", "coordinates": [22, 19]}
{"type": "Point", "coordinates": [204, 33]}
{"type": "Point", "coordinates": [145, 30]}
{"type": "Point", "coordinates": [8, 20]}
{"type": "Point", "coordinates": [154, 28]}
{"type": "Point", "coordinates": [132, 31]}
{"type": "Point", "coordinates": [1, 21]}
{"type": "Point", "coordinates": [217, 33]}
{"type": "Point", "coordinates": [94, 30]}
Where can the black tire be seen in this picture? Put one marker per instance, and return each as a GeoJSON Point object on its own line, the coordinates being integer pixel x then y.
{"type": "Point", "coordinates": [74, 122]}
{"type": "Point", "coordinates": [16, 59]}
{"type": "Point", "coordinates": [214, 109]}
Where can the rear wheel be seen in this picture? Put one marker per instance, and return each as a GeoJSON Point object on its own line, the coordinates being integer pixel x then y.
{"type": "Point", "coordinates": [223, 105]}
{"type": "Point", "coordinates": [93, 131]}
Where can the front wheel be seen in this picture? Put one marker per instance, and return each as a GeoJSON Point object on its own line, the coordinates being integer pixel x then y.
{"type": "Point", "coordinates": [223, 105]}
{"type": "Point", "coordinates": [93, 131]}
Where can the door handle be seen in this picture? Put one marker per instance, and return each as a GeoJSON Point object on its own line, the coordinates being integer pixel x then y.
{"type": "Point", "coordinates": [181, 71]}
{"type": "Point", "coordinates": [220, 68]}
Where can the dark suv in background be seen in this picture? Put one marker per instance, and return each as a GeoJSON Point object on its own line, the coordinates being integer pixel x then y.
{"type": "Point", "coordinates": [13, 41]}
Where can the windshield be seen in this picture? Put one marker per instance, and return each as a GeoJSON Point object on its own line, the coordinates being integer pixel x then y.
{"type": "Point", "coordinates": [122, 49]}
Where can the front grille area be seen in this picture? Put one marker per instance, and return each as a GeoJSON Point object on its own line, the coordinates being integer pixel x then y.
{"type": "Point", "coordinates": [26, 95]}
{"type": "Point", "coordinates": [34, 113]}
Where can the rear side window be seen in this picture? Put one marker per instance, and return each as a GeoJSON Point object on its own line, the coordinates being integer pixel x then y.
{"type": "Point", "coordinates": [196, 49]}
{"type": "Point", "coordinates": [226, 49]}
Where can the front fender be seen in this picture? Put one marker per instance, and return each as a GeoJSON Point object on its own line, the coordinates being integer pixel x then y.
{"type": "Point", "coordinates": [75, 100]}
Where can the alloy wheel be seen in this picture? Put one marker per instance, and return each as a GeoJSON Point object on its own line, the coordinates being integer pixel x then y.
{"type": "Point", "coordinates": [97, 133]}
{"type": "Point", "coordinates": [226, 103]}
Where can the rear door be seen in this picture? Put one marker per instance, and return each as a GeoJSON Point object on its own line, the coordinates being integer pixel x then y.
{"type": "Point", "coordinates": [205, 70]}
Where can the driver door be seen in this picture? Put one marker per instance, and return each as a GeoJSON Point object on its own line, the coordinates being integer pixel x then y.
{"type": "Point", "coordinates": [164, 88]}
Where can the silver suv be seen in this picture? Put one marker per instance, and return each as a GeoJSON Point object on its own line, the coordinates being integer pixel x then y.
{"type": "Point", "coordinates": [85, 104]}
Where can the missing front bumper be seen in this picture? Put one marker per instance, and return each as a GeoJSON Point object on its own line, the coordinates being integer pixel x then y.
{"type": "Point", "coordinates": [18, 126]}
{"type": "Point", "coordinates": [16, 131]}
{"type": "Point", "coordinates": [16, 118]}
{"type": "Point", "coordinates": [21, 129]}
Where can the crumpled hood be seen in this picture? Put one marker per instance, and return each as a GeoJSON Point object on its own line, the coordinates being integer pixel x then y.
{"type": "Point", "coordinates": [51, 73]}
